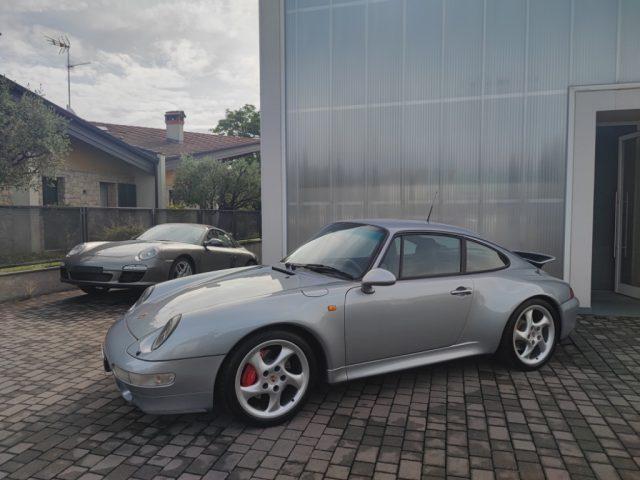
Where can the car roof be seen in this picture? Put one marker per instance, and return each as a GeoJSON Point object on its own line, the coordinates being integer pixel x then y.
{"type": "Point", "coordinates": [397, 225]}
{"type": "Point", "coordinates": [187, 224]}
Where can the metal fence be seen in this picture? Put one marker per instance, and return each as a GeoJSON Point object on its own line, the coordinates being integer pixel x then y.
{"type": "Point", "coordinates": [36, 234]}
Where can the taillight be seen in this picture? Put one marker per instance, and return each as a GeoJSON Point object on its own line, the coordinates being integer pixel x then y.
{"type": "Point", "coordinates": [571, 294]}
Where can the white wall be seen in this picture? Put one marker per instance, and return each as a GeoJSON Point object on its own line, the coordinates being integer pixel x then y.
{"type": "Point", "coordinates": [272, 131]}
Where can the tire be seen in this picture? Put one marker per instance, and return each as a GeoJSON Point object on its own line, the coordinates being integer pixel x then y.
{"type": "Point", "coordinates": [280, 389]}
{"type": "Point", "coordinates": [94, 291]}
{"type": "Point", "coordinates": [178, 264]}
{"type": "Point", "coordinates": [250, 263]}
{"type": "Point", "coordinates": [534, 342]}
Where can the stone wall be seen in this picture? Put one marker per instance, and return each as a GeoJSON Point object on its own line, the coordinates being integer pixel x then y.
{"type": "Point", "coordinates": [83, 188]}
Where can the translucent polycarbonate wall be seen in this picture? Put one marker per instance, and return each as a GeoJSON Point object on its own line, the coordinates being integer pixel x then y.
{"type": "Point", "coordinates": [389, 102]}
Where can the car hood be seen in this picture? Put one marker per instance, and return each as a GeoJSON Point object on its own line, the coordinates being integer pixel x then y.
{"type": "Point", "coordinates": [124, 249]}
{"type": "Point", "coordinates": [214, 289]}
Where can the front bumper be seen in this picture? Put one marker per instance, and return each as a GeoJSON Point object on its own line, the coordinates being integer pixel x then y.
{"type": "Point", "coordinates": [113, 274]}
{"type": "Point", "coordinates": [191, 391]}
{"type": "Point", "coordinates": [569, 312]}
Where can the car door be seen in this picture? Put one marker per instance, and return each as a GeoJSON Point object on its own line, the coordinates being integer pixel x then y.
{"type": "Point", "coordinates": [216, 257]}
{"type": "Point", "coordinates": [424, 310]}
{"type": "Point", "coordinates": [232, 248]}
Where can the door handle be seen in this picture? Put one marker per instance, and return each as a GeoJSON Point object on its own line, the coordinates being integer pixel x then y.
{"type": "Point", "coordinates": [461, 291]}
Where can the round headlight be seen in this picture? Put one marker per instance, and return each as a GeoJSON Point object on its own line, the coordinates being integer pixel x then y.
{"type": "Point", "coordinates": [76, 250]}
{"type": "Point", "coordinates": [148, 253]}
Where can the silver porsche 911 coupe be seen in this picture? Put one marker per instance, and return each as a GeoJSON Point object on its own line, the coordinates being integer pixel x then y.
{"type": "Point", "coordinates": [360, 298]}
{"type": "Point", "coordinates": [163, 252]}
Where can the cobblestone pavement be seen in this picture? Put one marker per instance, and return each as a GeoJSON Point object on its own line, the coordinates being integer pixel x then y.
{"type": "Point", "coordinates": [60, 416]}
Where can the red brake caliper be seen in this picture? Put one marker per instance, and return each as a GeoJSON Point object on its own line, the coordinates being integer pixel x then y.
{"type": "Point", "coordinates": [249, 374]}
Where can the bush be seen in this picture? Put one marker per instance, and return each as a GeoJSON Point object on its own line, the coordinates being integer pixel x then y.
{"type": "Point", "coordinates": [122, 232]}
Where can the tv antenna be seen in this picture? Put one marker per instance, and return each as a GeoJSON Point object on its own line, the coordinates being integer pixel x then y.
{"type": "Point", "coordinates": [435, 197]}
{"type": "Point", "coordinates": [63, 43]}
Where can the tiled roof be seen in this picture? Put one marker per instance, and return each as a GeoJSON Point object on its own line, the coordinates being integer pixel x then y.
{"type": "Point", "coordinates": [154, 140]}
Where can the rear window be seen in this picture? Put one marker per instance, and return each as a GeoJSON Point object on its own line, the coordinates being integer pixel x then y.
{"type": "Point", "coordinates": [481, 258]}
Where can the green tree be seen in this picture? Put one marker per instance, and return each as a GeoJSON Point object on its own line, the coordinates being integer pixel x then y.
{"type": "Point", "coordinates": [225, 185]}
{"type": "Point", "coordinates": [244, 122]}
{"type": "Point", "coordinates": [33, 138]}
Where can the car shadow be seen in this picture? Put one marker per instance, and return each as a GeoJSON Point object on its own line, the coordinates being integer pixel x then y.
{"type": "Point", "coordinates": [80, 305]}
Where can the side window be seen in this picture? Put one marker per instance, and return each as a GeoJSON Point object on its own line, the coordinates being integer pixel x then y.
{"type": "Point", "coordinates": [211, 234]}
{"type": "Point", "coordinates": [226, 240]}
{"type": "Point", "coordinates": [428, 255]}
{"type": "Point", "coordinates": [481, 258]}
{"type": "Point", "coordinates": [391, 260]}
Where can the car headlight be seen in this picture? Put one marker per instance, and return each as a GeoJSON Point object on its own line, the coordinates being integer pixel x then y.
{"type": "Point", "coordinates": [143, 298]}
{"type": "Point", "coordinates": [167, 330]}
{"type": "Point", "coordinates": [76, 250]}
{"type": "Point", "coordinates": [148, 253]}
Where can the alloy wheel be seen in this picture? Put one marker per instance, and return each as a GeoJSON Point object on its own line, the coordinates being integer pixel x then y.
{"type": "Point", "coordinates": [272, 379]}
{"type": "Point", "coordinates": [182, 269]}
{"type": "Point", "coordinates": [534, 335]}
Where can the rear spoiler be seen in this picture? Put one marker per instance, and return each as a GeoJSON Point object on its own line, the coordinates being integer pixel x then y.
{"type": "Point", "coordinates": [536, 259]}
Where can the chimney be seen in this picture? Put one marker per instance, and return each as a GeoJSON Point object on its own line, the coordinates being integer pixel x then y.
{"type": "Point", "coordinates": [175, 125]}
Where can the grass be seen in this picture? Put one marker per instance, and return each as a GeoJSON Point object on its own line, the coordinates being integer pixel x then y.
{"type": "Point", "coordinates": [31, 266]}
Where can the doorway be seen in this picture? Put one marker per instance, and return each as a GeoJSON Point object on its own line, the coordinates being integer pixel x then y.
{"type": "Point", "coordinates": [627, 271]}
{"type": "Point", "coordinates": [615, 267]}
{"type": "Point", "coordinates": [620, 104]}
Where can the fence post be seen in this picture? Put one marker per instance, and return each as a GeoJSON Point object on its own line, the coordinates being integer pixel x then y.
{"type": "Point", "coordinates": [84, 229]}
{"type": "Point", "coordinates": [259, 224]}
{"type": "Point", "coordinates": [233, 224]}
{"type": "Point", "coordinates": [200, 215]}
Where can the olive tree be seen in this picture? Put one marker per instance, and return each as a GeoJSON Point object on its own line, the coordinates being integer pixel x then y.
{"type": "Point", "coordinates": [218, 184]}
{"type": "Point", "coordinates": [33, 138]}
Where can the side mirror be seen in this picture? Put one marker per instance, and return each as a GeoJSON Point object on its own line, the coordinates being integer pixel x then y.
{"type": "Point", "coordinates": [214, 242]}
{"type": "Point", "coordinates": [377, 277]}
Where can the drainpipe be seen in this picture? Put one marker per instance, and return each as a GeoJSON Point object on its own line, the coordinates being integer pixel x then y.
{"type": "Point", "coordinates": [161, 182]}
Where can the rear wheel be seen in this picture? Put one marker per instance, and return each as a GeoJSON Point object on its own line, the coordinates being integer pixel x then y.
{"type": "Point", "coordinates": [181, 267]}
{"type": "Point", "coordinates": [529, 339]}
{"type": "Point", "coordinates": [267, 379]}
{"type": "Point", "coordinates": [95, 291]}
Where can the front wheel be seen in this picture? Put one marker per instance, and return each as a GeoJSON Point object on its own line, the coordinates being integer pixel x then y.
{"type": "Point", "coordinates": [267, 379]}
{"type": "Point", "coordinates": [529, 339]}
{"type": "Point", "coordinates": [181, 267]}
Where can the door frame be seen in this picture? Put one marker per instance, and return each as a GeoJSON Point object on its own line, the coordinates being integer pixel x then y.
{"type": "Point", "coordinates": [620, 287]}
{"type": "Point", "coordinates": [584, 103]}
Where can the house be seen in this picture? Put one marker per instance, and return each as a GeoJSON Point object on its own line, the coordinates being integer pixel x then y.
{"type": "Point", "coordinates": [101, 170]}
{"type": "Point", "coordinates": [522, 114]}
{"type": "Point", "coordinates": [169, 145]}
{"type": "Point", "coordinates": [113, 165]}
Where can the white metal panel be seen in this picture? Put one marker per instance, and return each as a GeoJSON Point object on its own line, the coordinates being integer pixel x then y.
{"type": "Point", "coordinates": [595, 35]}
{"type": "Point", "coordinates": [629, 38]}
{"type": "Point", "coordinates": [391, 100]}
{"type": "Point", "coordinates": [549, 44]}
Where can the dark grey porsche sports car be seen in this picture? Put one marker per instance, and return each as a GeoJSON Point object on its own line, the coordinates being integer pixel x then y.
{"type": "Point", "coordinates": [163, 252]}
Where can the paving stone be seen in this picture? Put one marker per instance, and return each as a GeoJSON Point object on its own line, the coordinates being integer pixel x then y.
{"type": "Point", "coordinates": [577, 417]}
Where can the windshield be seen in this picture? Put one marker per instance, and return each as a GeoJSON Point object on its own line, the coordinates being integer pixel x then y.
{"type": "Point", "coordinates": [175, 233]}
{"type": "Point", "coordinates": [347, 247]}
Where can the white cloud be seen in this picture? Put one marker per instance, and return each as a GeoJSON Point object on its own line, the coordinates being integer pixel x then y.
{"type": "Point", "coordinates": [147, 56]}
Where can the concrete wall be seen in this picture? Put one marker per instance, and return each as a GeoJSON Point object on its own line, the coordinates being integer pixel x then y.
{"type": "Point", "coordinates": [31, 283]}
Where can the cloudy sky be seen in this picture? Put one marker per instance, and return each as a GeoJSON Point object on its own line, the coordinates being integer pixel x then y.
{"type": "Point", "coordinates": [147, 56]}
